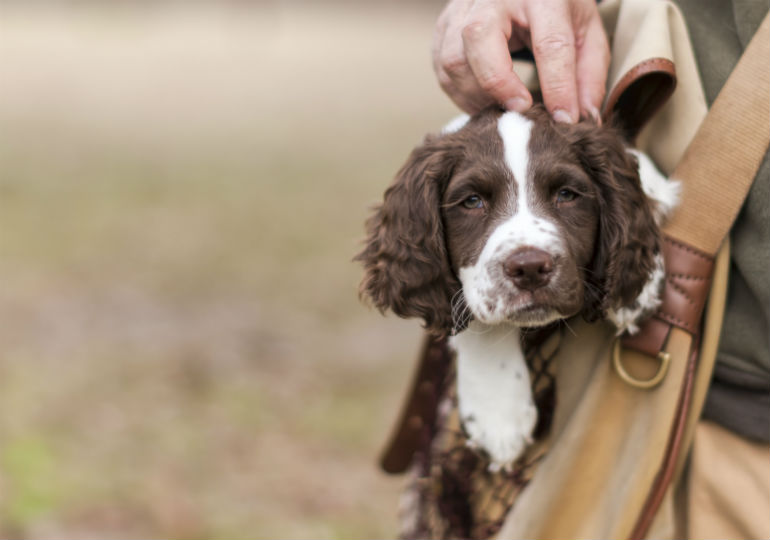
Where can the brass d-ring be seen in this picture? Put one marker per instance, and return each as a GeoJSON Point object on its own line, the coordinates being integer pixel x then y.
{"type": "Point", "coordinates": [663, 357]}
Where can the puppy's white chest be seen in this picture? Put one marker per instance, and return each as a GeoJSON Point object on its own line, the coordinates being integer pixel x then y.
{"type": "Point", "coordinates": [494, 392]}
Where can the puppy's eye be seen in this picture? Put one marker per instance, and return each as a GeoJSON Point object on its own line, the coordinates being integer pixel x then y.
{"type": "Point", "coordinates": [473, 202]}
{"type": "Point", "coordinates": [566, 195]}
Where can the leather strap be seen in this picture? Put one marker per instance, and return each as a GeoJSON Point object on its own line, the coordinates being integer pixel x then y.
{"type": "Point", "coordinates": [640, 93]}
{"type": "Point", "coordinates": [673, 448]}
{"type": "Point", "coordinates": [688, 280]}
{"type": "Point", "coordinates": [717, 171]}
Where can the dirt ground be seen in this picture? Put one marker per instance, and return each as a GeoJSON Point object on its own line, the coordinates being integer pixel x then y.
{"type": "Point", "coordinates": [182, 350]}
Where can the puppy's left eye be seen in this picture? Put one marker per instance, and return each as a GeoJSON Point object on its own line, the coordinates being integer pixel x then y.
{"type": "Point", "coordinates": [473, 202]}
{"type": "Point", "coordinates": [566, 195]}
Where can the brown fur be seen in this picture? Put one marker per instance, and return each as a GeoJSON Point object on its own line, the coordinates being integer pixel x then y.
{"type": "Point", "coordinates": [628, 238]}
{"type": "Point", "coordinates": [405, 259]}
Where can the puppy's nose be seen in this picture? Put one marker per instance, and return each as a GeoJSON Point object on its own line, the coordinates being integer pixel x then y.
{"type": "Point", "coordinates": [529, 268]}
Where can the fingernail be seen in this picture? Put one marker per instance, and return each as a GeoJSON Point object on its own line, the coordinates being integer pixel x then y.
{"type": "Point", "coordinates": [562, 116]}
{"type": "Point", "coordinates": [518, 104]}
{"type": "Point", "coordinates": [593, 112]}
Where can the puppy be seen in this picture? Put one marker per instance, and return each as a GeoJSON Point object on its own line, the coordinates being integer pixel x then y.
{"type": "Point", "coordinates": [507, 221]}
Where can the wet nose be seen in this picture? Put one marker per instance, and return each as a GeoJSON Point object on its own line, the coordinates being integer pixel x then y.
{"type": "Point", "coordinates": [529, 268]}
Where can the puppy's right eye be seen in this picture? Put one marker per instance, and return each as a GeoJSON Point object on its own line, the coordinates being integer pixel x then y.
{"type": "Point", "coordinates": [473, 202]}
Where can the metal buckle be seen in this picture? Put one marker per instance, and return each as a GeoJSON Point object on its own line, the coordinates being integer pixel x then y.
{"type": "Point", "coordinates": [663, 357]}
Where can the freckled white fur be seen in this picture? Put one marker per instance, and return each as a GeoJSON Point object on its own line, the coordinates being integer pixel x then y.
{"type": "Point", "coordinates": [515, 131]}
{"type": "Point", "coordinates": [494, 392]}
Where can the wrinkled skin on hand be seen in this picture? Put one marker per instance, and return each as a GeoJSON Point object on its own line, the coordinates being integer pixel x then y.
{"type": "Point", "coordinates": [474, 38]}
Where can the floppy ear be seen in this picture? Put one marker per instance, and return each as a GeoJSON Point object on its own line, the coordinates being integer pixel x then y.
{"type": "Point", "coordinates": [626, 254]}
{"type": "Point", "coordinates": [405, 258]}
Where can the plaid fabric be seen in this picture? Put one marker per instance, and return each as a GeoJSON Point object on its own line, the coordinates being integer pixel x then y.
{"type": "Point", "coordinates": [451, 492]}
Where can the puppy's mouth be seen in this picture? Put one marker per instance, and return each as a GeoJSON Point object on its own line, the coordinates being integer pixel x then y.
{"type": "Point", "coordinates": [539, 308]}
{"type": "Point", "coordinates": [499, 301]}
{"type": "Point", "coordinates": [532, 315]}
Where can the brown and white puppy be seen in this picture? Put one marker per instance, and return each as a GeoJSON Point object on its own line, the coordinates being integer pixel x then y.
{"type": "Point", "coordinates": [506, 221]}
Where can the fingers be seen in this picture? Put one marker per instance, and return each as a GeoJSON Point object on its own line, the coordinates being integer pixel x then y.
{"type": "Point", "coordinates": [472, 61]}
{"type": "Point", "coordinates": [450, 62]}
{"type": "Point", "coordinates": [471, 54]}
{"type": "Point", "coordinates": [485, 38]}
{"type": "Point", "coordinates": [553, 45]}
{"type": "Point", "coordinates": [593, 62]}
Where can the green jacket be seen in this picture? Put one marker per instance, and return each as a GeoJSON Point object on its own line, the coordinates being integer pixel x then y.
{"type": "Point", "coordinates": [739, 396]}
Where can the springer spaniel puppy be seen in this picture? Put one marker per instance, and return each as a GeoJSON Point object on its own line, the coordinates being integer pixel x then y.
{"type": "Point", "coordinates": [507, 221]}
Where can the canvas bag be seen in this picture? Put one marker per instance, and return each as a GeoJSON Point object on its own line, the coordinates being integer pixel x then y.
{"type": "Point", "coordinates": [618, 437]}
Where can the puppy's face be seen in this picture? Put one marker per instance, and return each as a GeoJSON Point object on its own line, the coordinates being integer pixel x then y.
{"type": "Point", "coordinates": [511, 218]}
{"type": "Point", "coordinates": [521, 218]}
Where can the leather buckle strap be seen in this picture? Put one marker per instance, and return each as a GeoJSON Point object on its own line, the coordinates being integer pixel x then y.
{"type": "Point", "coordinates": [688, 281]}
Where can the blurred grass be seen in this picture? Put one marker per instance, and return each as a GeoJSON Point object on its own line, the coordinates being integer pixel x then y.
{"type": "Point", "coordinates": [181, 192]}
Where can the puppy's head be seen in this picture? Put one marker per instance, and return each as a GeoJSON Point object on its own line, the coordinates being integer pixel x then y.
{"type": "Point", "coordinates": [511, 219]}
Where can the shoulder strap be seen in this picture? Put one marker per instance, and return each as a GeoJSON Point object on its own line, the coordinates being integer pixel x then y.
{"type": "Point", "coordinates": [720, 163]}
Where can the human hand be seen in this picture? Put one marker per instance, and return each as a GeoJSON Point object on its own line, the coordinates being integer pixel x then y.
{"type": "Point", "coordinates": [474, 38]}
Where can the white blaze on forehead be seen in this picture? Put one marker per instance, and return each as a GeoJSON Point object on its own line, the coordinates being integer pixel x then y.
{"type": "Point", "coordinates": [515, 131]}
{"type": "Point", "coordinates": [524, 227]}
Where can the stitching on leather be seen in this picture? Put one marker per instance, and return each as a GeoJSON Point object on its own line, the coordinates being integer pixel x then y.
{"type": "Point", "coordinates": [681, 290]}
{"type": "Point", "coordinates": [688, 249]}
{"type": "Point", "coordinates": [686, 276]}
{"type": "Point", "coordinates": [661, 65]}
{"type": "Point", "coordinates": [678, 290]}
{"type": "Point", "coordinates": [676, 321]}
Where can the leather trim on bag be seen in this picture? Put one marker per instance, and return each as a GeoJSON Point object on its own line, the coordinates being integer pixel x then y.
{"type": "Point", "coordinates": [415, 426]}
{"type": "Point", "coordinates": [640, 93]}
{"type": "Point", "coordinates": [688, 281]}
{"type": "Point", "coordinates": [650, 339]}
{"type": "Point", "coordinates": [673, 448]}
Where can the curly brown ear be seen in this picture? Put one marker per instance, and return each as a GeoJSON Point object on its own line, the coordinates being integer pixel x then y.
{"type": "Point", "coordinates": [405, 258]}
{"type": "Point", "coordinates": [629, 238]}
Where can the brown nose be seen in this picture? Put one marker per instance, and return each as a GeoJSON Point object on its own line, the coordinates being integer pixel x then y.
{"type": "Point", "coordinates": [529, 268]}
